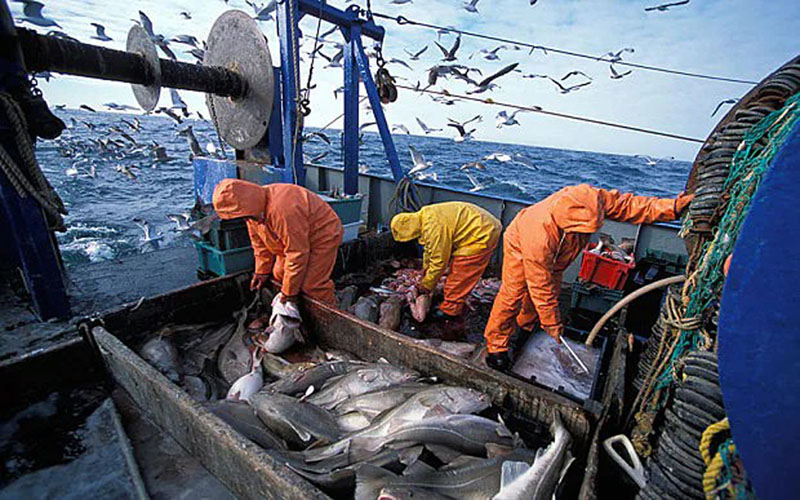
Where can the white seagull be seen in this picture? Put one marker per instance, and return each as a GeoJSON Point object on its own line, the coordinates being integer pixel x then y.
{"type": "Point", "coordinates": [471, 6]}
{"type": "Point", "coordinates": [506, 120]}
{"type": "Point", "coordinates": [147, 237]}
{"type": "Point", "coordinates": [476, 185]}
{"type": "Point", "coordinates": [419, 162]}
{"type": "Point", "coordinates": [181, 221]}
{"type": "Point", "coordinates": [427, 129]}
{"type": "Point", "coordinates": [101, 33]}
{"type": "Point", "coordinates": [33, 15]}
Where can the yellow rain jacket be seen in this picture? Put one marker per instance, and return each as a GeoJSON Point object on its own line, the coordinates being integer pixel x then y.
{"type": "Point", "coordinates": [447, 230]}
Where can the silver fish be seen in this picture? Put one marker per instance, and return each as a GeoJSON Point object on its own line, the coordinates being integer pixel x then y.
{"type": "Point", "coordinates": [454, 348]}
{"type": "Point", "coordinates": [360, 381]}
{"type": "Point", "coordinates": [374, 403]}
{"type": "Point", "coordinates": [163, 355]}
{"type": "Point", "coordinates": [194, 357]}
{"type": "Point", "coordinates": [366, 308]}
{"type": "Point", "coordinates": [466, 433]}
{"type": "Point", "coordinates": [296, 421]}
{"type": "Point", "coordinates": [241, 417]}
{"type": "Point", "coordinates": [467, 478]}
{"type": "Point", "coordinates": [539, 481]}
{"type": "Point", "coordinates": [438, 400]}
{"type": "Point", "coordinates": [235, 359]}
{"type": "Point", "coordinates": [299, 382]}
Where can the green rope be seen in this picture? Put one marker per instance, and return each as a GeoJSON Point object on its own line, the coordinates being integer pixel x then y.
{"type": "Point", "coordinates": [749, 165]}
{"type": "Point", "coordinates": [733, 474]}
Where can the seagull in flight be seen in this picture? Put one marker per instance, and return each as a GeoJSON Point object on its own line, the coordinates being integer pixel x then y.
{"type": "Point", "coordinates": [463, 134]}
{"type": "Point", "coordinates": [101, 33]}
{"type": "Point", "coordinates": [616, 76]}
{"type": "Point", "coordinates": [501, 157]}
{"type": "Point", "coordinates": [181, 221]}
{"type": "Point", "coordinates": [33, 14]}
{"type": "Point", "coordinates": [523, 160]}
{"type": "Point", "coordinates": [616, 56]}
{"type": "Point", "coordinates": [400, 2]}
{"type": "Point", "coordinates": [414, 56]}
{"type": "Point", "coordinates": [118, 107]}
{"type": "Point", "coordinates": [652, 162]}
{"type": "Point", "coordinates": [473, 164]}
{"type": "Point", "coordinates": [575, 73]}
{"type": "Point", "coordinates": [419, 162]}
{"type": "Point", "coordinates": [471, 6]}
{"type": "Point", "coordinates": [185, 39]}
{"type": "Point", "coordinates": [450, 55]}
{"type": "Point", "coordinates": [427, 129]}
{"type": "Point", "coordinates": [401, 128]}
{"type": "Point", "coordinates": [503, 119]}
{"type": "Point", "coordinates": [476, 185]}
{"type": "Point", "coordinates": [486, 83]}
{"type": "Point", "coordinates": [733, 100]}
{"type": "Point", "coordinates": [148, 236]}
{"type": "Point", "coordinates": [186, 15]}
{"type": "Point", "coordinates": [490, 55]}
{"type": "Point", "coordinates": [87, 108]}
{"type": "Point", "coordinates": [566, 90]}
{"type": "Point", "coordinates": [665, 6]}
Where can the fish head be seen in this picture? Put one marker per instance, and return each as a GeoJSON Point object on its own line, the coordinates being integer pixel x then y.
{"type": "Point", "coordinates": [460, 400]}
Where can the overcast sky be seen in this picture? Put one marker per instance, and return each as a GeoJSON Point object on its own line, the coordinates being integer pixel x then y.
{"type": "Point", "coordinates": [736, 38]}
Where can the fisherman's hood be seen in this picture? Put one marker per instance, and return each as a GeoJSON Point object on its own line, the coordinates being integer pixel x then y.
{"type": "Point", "coordinates": [578, 209]}
{"type": "Point", "coordinates": [234, 198]}
{"type": "Point", "coordinates": [406, 226]}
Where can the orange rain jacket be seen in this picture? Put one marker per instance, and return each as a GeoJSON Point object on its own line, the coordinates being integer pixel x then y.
{"type": "Point", "coordinates": [290, 223]}
{"type": "Point", "coordinates": [546, 237]}
{"type": "Point", "coordinates": [445, 230]}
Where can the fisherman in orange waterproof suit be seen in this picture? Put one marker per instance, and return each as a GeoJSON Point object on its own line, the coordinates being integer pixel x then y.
{"type": "Point", "coordinates": [541, 241]}
{"type": "Point", "coordinates": [294, 233]}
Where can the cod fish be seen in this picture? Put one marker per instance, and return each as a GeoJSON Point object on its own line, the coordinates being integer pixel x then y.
{"type": "Point", "coordinates": [247, 385]}
{"type": "Point", "coordinates": [454, 348]}
{"type": "Point", "coordinates": [194, 358]}
{"type": "Point", "coordinates": [465, 433]}
{"type": "Point", "coordinates": [296, 421]}
{"type": "Point", "coordinates": [390, 313]}
{"type": "Point", "coordinates": [362, 380]}
{"type": "Point", "coordinates": [466, 478]}
{"type": "Point", "coordinates": [539, 481]}
{"type": "Point", "coordinates": [346, 296]}
{"type": "Point", "coordinates": [241, 417]}
{"type": "Point", "coordinates": [366, 308]}
{"type": "Point", "coordinates": [438, 400]}
{"type": "Point", "coordinates": [162, 354]}
{"type": "Point", "coordinates": [299, 382]}
{"type": "Point", "coordinates": [234, 360]}
{"type": "Point", "coordinates": [358, 412]}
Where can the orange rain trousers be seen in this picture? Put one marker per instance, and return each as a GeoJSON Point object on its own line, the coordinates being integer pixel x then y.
{"type": "Point", "coordinates": [465, 272]}
{"type": "Point", "coordinates": [544, 239]}
{"type": "Point", "coordinates": [295, 235]}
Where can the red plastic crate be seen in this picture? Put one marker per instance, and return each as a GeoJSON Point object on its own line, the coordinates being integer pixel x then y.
{"type": "Point", "coordinates": [604, 271]}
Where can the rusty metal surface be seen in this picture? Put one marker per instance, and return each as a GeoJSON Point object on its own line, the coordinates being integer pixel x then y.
{"type": "Point", "coordinates": [236, 43]}
{"type": "Point", "coordinates": [139, 42]}
{"type": "Point", "coordinates": [245, 468]}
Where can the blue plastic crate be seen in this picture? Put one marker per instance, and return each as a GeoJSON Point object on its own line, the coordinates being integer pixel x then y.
{"type": "Point", "coordinates": [223, 262]}
{"type": "Point", "coordinates": [348, 209]}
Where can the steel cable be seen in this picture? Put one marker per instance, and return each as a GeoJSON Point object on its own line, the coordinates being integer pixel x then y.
{"type": "Point", "coordinates": [402, 20]}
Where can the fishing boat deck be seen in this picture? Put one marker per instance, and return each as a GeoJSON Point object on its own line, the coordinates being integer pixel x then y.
{"type": "Point", "coordinates": [92, 288]}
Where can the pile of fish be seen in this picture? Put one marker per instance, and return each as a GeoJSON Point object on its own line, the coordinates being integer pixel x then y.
{"type": "Point", "coordinates": [606, 247]}
{"type": "Point", "coordinates": [370, 429]}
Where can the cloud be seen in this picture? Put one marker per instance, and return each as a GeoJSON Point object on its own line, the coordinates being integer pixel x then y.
{"type": "Point", "coordinates": [738, 38]}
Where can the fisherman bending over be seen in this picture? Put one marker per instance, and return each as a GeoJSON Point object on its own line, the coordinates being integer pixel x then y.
{"type": "Point", "coordinates": [460, 234]}
{"type": "Point", "coordinates": [542, 241]}
{"type": "Point", "coordinates": [294, 233]}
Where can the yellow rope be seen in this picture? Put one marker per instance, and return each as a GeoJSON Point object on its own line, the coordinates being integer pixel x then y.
{"type": "Point", "coordinates": [708, 435]}
{"type": "Point", "coordinates": [712, 473]}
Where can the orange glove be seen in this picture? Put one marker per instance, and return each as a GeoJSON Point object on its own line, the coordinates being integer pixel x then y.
{"type": "Point", "coordinates": [259, 281]}
{"type": "Point", "coordinates": [554, 331]}
{"type": "Point", "coordinates": [681, 202]}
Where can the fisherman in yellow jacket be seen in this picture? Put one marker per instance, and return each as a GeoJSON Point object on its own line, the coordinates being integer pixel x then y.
{"type": "Point", "coordinates": [458, 234]}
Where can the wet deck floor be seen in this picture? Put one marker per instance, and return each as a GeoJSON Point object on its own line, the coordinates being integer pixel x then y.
{"type": "Point", "coordinates": [165, 467]}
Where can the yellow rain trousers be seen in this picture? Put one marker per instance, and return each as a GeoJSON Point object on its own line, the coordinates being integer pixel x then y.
{"type": "Point", "coordinates": [458, 234]}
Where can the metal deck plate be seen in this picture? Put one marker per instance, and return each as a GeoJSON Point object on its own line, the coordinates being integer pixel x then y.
{"type": "Point", "coordinates": [139, 42]}
{"type": "Point", "coordinates": [236, 43]}
{"type": "Point", "coordinates": [552, 366]}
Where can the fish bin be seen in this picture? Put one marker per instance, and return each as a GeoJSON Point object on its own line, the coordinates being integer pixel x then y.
{"type": "Point", "coordinates": [344, 412]}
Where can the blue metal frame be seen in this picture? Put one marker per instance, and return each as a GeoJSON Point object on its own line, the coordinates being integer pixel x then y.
{"type": "Point", "coordinates": [759, 348]}
{"type": "Point", "coordinates": [356, 64]}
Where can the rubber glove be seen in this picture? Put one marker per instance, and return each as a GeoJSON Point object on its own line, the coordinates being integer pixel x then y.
{"type": "Point", "coordinates": [259, 281]}
{"type": "Point", "coordinates": [681, 202]}
{"type": "Point", "coordinates": [554, 331]}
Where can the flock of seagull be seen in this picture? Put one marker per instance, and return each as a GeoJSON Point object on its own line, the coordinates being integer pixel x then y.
{"type": "Point", "coordinates": [118, 141]}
